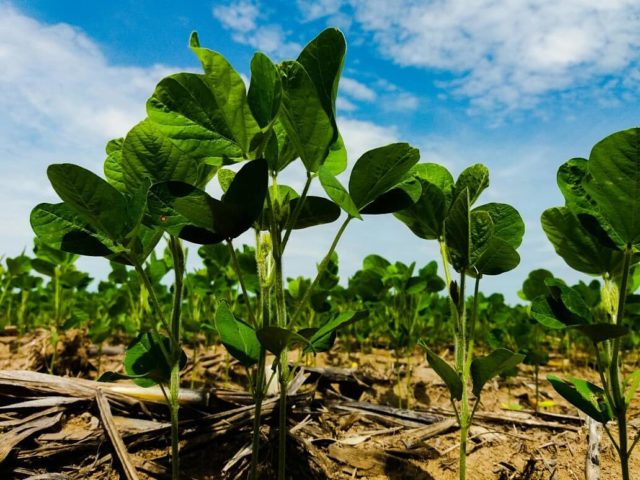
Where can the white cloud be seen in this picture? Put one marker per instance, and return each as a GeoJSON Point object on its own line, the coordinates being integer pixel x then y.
{"type": "Point", "coordinates": [61, 100]}
{"type": "Point", "coordinates": [357, 90]}
{"type": "Point", "coordinates": [400, 102]}
{"type": "Point", "coordinates": [242, 19]}
{"type": "Point", "coordinates": [505, 53]}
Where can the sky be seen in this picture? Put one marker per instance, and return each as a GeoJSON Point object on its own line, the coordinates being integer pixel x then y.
{"type": "Point", "coordinates": [519, 85]}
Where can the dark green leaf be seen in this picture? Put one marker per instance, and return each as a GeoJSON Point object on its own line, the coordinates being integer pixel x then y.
{"type": "Point", "coordinates": [485, 368]}
{"type": "Point", "coordinates": [307, 124]}
{"type": "Point", "coordinates": [314, 211]}
{"type": "Point", "coordinates": [379, 170]}
{"type": "Point", "coordinates": [448, 375]}
{"type": "Point", "coordinates": [239, 338]}
{"type": "Point", "coordinates": [475, 179]}
{"type": "Point", "coordinates": [276, 339]}
{"type": "Point", "coordinates": [585, 396]}
{"type": "Point", "coordinates": [265, 90]}
{"type": "Point", "coordinates": [337, 192]}
{"type": "Point", "coordinates": [145, 362]}
{"type": "Point", "coordinates": [93, 198]}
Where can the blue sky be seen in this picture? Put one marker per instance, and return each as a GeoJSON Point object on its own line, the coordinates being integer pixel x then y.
{"type": "Point", "coordinates": [521, 86]}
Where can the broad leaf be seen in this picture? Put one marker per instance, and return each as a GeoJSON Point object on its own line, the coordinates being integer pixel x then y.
{"type": "Point", "coordinates": [448, 375]}
{"type": "Point", "coordinates": [379, 170]}
{"type": "Point", "coordinates": [599, 332]}
{"type": "Point", "coordinates": [485, 368]}
{"type": "Point", "coordinates": [403, 196]}
{"type": "Point", "coordinates": [475, 179]}
{"type": "Point", "coordinates": [614, 182]}
{"type": "Point", "coordinates": [59, 226]}
{"type": "Point", "coordinates": [323, 338]}
{"type": "Point", "coordinates": [276, 339]}
{"type": "Point", "coordinates": [186, 108]}
{"type": "Point", "coordinates": [458, 231]}
{"type": "Point", "coordinates": [314, 211]}
{"type": "Point", "coordinates": [145, 362]}
{"type": "Point", "coordinates": [507, 222]}
{"type": "Point", "coordinates": [337, 192]}
{"type": "Point", "coordinates": [93, 198]}
{"type": "Point", "coordinates": [239, 338]}
{"type": "Point", "coordinates": [575, 245]}
{"type": "Point", "coordinates": [304, 118]}
{"type": "Point", "coordinates": [147, 153]}
{"type": "Point", "coordinates": [323, 59]}
{"type": "Point", "coordinates": [585, 396]}
{"type": "Point", "coordinates": [265, 90]}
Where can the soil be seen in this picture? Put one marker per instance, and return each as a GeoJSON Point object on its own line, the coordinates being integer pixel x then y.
{"type": "Point", "coordinates": [335, 435]}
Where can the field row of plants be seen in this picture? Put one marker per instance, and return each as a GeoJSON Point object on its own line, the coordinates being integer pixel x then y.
{"type": "Point", "coordinates": [152, 199]}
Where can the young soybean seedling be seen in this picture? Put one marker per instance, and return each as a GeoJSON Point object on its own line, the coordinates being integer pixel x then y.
{"type": "Point", "coordinates": [474, 242]}
{"type": "Point", "coordinates": [598, 232]}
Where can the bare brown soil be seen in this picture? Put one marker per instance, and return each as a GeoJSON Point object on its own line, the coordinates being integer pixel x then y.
{"type": "Point", "coordinates": [338, 435]}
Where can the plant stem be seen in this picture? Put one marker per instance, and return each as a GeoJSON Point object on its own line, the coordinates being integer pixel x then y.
{"type": "Point", "coordinates": [321, 268]}
{"type": "Point", "coordinates": [236, 266]}
{"type": "Point", "coordinates": [176, 352]}
{"type": "Point", "coordinates": [294, 216]}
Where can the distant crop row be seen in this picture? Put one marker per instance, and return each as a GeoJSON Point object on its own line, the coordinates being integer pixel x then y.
{"type": "Point", "coordinates": [198, 124]}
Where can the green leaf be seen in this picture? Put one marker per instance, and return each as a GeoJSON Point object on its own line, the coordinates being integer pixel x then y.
{"type": "Point", "coordinates": [585, 396]}
{"type": "Point", "coordinates": [403, 196]}
{"type": "Point", "coordinates": [614, 182]}
{"type": "Point", "coordinates": [575, 245]}
{"type": "Point", "coordinates": [265, 90]}
{"type": "Point", "coordinates": [534, 285]}
{"type": "Point", "coordinates": [481, 233]}
{"type": "Point", "coordinates": [314, 211]}
{"type": "Point", "coordinates": [238, 337]}
{"type": "Point", "coordinates": [276, 339]}
{"type": "Point", "coordinates": [225, 177]}
{"type": "Point", "coordinates": [113, 165]}
{"type": "Point", "coordinates": [145, 363]}
{"type": "Point", "coordinates": [379, 170]}
{"type": "Point", "coordinates": [148, 153]}
{"type": "Point", "coordinates": [93, 198]}
{"type": "Point", "coordinates": [337, 192]}
{"type": "Point", "coordinates": [59, 226]}
{"type": "Point", "coordinates": [497, 258]}
{"type": "Point", "coordinates": [323, 59]}
{"type": "Point", "coordinates": [307, 124]}
{"type": "Point", "coordinates": [190, 213]}
{"type": "Point", "coordinates": [448, 375]}
{"type": "Point", "coordinates": [475, 179]}
{"type": "Point", "coordinates": [542, 311]}
{"type": "Point", "coordinates": [336, 161]}
{"type": "Point", "coordinates": [186, 212]}
{"type": "Point", "coordinates": [246, 193]}
{"type": "Point", "coordinates": [485, 368]}
{"type": "Point", "coordinates": [458, 231]}
{"type": "Point", "coordinates": [323, 338]}
{"type": "Point", "coordinates": [599, 332]}
{"type": "Point", "coordinates": [507, 222]}
{"type": "Point", "coordinates": [186, 108]}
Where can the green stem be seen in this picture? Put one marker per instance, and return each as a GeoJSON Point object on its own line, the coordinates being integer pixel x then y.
{"type": "Point", "coordinates": [236, 267]}
{"type": "Point", "coordinates": [258, 394]}
{"type": "Point", "coordinates": [321, 268]}
{"type": "Point", "coordinates": [176, 352]}
{"type": "Point", "coordinates": [296, 213]}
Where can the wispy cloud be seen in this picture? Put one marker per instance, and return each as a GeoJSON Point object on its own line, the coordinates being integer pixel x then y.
{"type": "Point", "coordinates": [357, 90]}
{"type": "Point", "coordinates": [61, 100]}
{"type": "Point", "coordinates": [249, 26]}
{"type": "Point", "coordinates": [505, 54]}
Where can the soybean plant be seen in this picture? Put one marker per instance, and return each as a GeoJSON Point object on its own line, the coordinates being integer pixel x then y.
{"type": "Point", "coordinates": [597, 232]}
{"type": "Point", "coordinates": [473, 242]}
